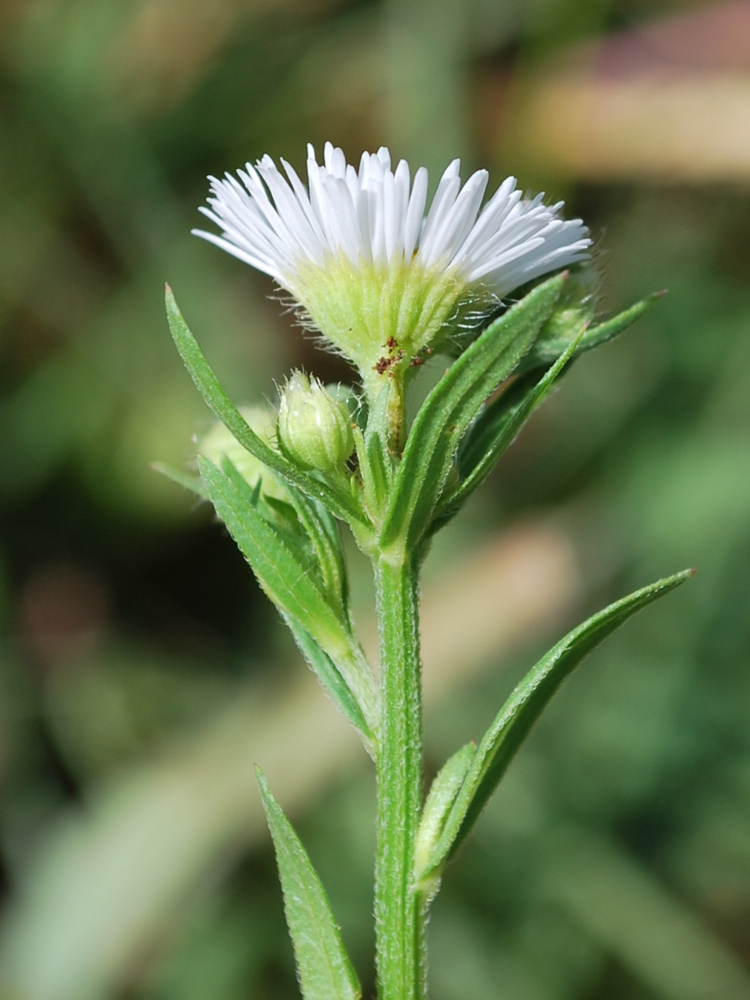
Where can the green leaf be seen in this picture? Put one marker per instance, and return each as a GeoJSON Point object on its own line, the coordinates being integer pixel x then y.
{"type": "Point", "coordinates": [439, 802]}
{"type": "Point", "coordinates": [375, 462]}
{"type": "Point", "coordinates": [546, 350]}
{"type": "Point", "coordinates": [279, 515]}
{"type": "Point", "coordinates": [325, 972]}
{"type": "Point", "coordinates": [498, 427]}
{"type": "Point", "coordinates": [332, 682]}
{"type": "Point", "coordinates": [339, 503]}
{"type": "Point", "coordinates": [287, 579]}
{"type": "Point", "coordinates": [323, 532]}
{"type": "Point", "coordinates": [280, 571]}
{"type": "Point", "coordinates": [452, 405]}
{"type": "Point", "coordinates": [525, 705]}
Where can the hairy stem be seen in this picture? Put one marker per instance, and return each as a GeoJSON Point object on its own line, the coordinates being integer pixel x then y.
{"type": "Point", "coordinates": [399, 773]}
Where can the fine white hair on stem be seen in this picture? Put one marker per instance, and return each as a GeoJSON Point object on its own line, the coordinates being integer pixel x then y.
{"type": "Point", "coordinates": [378, 216]}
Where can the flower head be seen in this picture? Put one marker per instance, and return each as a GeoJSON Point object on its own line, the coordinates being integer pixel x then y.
{"type": "Point", "coordinates": [377, 272]}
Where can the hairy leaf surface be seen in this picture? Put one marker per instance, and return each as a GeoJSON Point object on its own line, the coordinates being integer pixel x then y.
{"type": "Point", "coordinates": [525, 705]}
{"type": "Point", "coordinates": [325, 972]}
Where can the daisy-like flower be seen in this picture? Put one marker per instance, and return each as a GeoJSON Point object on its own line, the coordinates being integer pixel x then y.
{"type": "Point", "coordinates": [376, 272]}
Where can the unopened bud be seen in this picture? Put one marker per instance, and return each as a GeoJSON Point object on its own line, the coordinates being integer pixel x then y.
{"type": "Point", "coordinates": [314, 427]}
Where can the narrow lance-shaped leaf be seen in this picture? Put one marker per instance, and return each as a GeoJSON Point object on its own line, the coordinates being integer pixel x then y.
{"type": "Point", "coordinates": [497, 428]}
{"type": "Point", "coordinates": [325, 972]}
{"type": "Point", "coordinates": [289, 583]}
{"type": "Point", "coordinates": [339, 503]}
{"type": "Point", "coordinates": [280, 515]}
{"type": "Point", "coordinates": [323, 533]}
{"type": "Point", "coordinates": [439, 802]}
{"type": "Point", "coordinates": [332, 682]}
{"type": "Point", "coordinates": [453, 404]}
{"type": "Point", "coordinates": [328, 674]}
{"type": "Point", "coordinates": [545, 351]}
{"type": "Point", "coordinates": [375, 462]}
{"type": "Point", "coordinates": [350, 667]}
{"type": "Point", "coordinates": [524, 707]}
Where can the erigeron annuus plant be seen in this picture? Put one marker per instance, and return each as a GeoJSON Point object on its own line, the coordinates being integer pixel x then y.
{"type": "Point", "coordinates": [387, 281]}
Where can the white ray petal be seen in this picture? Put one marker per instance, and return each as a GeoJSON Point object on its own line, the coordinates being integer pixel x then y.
{"type": "Point", "coordinates": [377, 215]}
{"type": "Point", "coordinates": [415, 212]}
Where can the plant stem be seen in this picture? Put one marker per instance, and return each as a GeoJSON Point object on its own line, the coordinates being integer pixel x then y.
{"type": "Point", "coordinates": [399, 774]}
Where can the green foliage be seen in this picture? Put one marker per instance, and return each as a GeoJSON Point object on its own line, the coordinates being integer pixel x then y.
{"type": "Point", "coordinates": [295, 588]}
{"type": "Point", "coordinates": [548, 348]}
{"type": "Point", "coordinates": [221, 405]}
{"type": "Point", "coordinates": [296, 555]}
{"type": "Point", "coordinates": [323, 531]}
{"type": "Point", "coordinates": [181, 478]}
{"type": "Point", "coordinates": [438, 805]}
{"type": "Point", "coordinates": [613, 861]}
{"type": "Point", "coordinates": [325, 972]}
{"type": "Point", "coordinates": [450, 408]}
{"type": "Point", "coordinates": [512, 724]}
{"type": "Point", "coordinates": [376, 464]}
{"type": "Point", "coordinates": [496, 428]}
{"type": "Point", "coordinates": [332, 680]}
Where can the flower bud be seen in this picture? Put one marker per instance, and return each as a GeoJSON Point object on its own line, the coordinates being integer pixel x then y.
{"type": "Point", "coordinates": [219, 442]}
{"type": "Point", "coordinates": [314, 427]}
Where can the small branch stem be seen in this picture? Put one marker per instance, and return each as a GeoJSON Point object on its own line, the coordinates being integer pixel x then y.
{"type": "Point", "coordinates": [396, 429]}
{"type": "Point", "coordinates": [399, 773]}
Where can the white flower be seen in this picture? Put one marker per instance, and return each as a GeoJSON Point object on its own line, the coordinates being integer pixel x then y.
{"type": "Point", "coordinates": [373, 271]}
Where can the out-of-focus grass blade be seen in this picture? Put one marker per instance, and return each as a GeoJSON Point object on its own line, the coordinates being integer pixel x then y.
{"type": "Point", "coordinates": [525, 705]}
{"type": "Point", "coordinates": [453, 404]}
{"type": "Point", "coordinates": [192, 483]}
{"type": "Point", "coordinates": [325, 972]}
{"type": "Point", "coordinates": [647, 927]}
{"type": "Point", "coordinates": [338, 502]}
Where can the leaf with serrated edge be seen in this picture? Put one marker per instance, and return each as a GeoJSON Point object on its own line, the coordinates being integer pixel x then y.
{"type": "Point", "coordinates": [524, 707]}
{"type": "Point", "coordinates": [452, 405]}
{"type": "Point", "coordinates": [339, 503]}
{"type": "Point", "coordinates": [544, 352]}
{"type": "Point", "coordinates": [325, 669]}
{"type": "Point", "coordinates": [284, 578]}
{"type": "Point", "coordinates": [289, 584]}
{"type": "Point", "coordinates": [286, 530]}
{"type": "Point", "coordinates": [325, 972]}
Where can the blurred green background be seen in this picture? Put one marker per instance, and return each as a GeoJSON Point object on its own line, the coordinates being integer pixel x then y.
{"type": "Point", "coordinates": [143, 673]}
